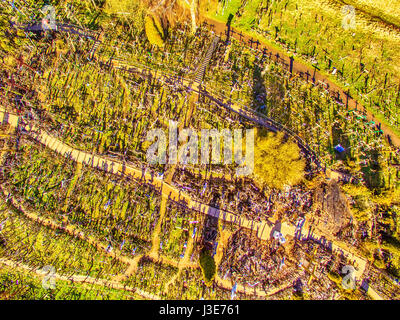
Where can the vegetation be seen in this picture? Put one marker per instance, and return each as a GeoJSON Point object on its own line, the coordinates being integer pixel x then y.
{"type": "Point", "coordinates": [277, 163]}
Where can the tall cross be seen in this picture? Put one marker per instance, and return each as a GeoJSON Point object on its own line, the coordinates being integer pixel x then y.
{"type": "Point", "coordinates": [228, 24]}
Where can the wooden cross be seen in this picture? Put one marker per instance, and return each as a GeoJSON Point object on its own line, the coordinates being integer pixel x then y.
{"type": "Point", "coordinates": [347, 94]}
{"type": "Point", "coordinates": [228, 24]}
{"type": "Point", "coordinates": [251, 43]}
{"type": "Point", "coordinates": [21, 63]}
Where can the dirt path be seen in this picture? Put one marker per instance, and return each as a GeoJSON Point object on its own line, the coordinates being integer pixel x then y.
{"type": "Point", "coordinates": [81, 157]}
{"type": "Point", "coordinates": [154, 252]}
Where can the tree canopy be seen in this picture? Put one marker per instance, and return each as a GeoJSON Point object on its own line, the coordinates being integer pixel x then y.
{"type": "Point", "coordinates": [277, 162]}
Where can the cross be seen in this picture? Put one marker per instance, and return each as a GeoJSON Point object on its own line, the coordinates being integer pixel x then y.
{"type": "Point", "coordinates": [240, 36]}
{"type": "Point", "coordinates": [337, 96]}
{"type": "Point", "coordinates": [265, 51]}
{"type": "Point", "coordinates": [347, 94]}
{"type": "Point", "coordinates": [228, 24]}
{"type": "Point", "coordinates": [251, 43]}
{"type": "Point", "coordinates": [21, 63]}
{"type": "Point", "coordinates": [12, 84]}
{"type": "Point", "coordinates": [291, 64]}
{"type": "Point", "coordinates": [257, 43]}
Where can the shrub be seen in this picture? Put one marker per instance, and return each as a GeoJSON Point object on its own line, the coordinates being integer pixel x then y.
{"type": "Point", "coordinates": [207, 265]}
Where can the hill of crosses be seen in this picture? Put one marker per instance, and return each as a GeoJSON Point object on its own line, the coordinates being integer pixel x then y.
{"type": "Point", "coordinates": [199, 150]}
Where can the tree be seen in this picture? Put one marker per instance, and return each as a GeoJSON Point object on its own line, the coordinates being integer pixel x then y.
{"type": "Point", "coordinates": [277, 163]}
